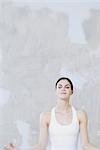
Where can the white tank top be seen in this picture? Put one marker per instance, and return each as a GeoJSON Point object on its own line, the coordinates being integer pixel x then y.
{"type": "Point", "coordinates": [63, 137]}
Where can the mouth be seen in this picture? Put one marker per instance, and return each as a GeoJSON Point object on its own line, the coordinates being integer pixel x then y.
{"type": "Point", "coordinates": [63, 93]}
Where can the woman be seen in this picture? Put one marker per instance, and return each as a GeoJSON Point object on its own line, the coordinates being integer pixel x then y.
{"type": "Point", "coordinates": [60, 128]}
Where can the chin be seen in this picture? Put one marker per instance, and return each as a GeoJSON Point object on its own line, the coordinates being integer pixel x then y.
{"type": "Point", "coordinates": [63, 98]}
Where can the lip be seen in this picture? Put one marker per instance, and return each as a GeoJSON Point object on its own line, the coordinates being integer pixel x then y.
{"type": "Point", "coordinates": [63, 93]}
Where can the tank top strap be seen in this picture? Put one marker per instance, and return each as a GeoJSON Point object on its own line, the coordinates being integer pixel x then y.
{"type": "Point", "coordinates": [74, 112]}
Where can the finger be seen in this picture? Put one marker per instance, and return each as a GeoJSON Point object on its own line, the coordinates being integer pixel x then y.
{"type": "Point", "coordinates": [7, 147]}
{"type": "Point", "coordinates": [12, 145]}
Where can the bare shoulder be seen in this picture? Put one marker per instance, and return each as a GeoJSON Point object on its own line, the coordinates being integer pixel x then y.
{"type": "Point", "coordinates": [82, 115]}
{"type": "Point", "coordinates": [45, 117]}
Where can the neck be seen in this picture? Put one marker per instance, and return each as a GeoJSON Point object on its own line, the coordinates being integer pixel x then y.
{"type": "Point", "coordinates": [62, 105]}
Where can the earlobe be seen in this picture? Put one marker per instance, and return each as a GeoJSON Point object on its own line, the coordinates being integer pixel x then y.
{"type": "Point", "coordinates": [71, 92]}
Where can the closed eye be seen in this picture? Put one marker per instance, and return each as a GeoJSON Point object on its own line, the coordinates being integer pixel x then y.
{"type": "Point", "coordinates": [67, 87]}
{"type": "Point", "coordinates": [60, 87]}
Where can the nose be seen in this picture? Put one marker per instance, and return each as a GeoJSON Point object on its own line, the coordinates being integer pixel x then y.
{"type": "Point", "coordinates": [63, 88]}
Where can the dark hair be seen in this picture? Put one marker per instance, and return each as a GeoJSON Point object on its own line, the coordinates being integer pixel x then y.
{"type": "Point", "coordinates": [64, 78]}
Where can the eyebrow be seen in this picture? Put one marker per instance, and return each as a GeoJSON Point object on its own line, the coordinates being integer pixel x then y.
{"type": "Point", "coordinates": [65, 85]}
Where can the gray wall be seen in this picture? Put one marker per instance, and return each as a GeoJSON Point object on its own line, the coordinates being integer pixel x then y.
{"type": "Point", "coordinates": [35, 44]}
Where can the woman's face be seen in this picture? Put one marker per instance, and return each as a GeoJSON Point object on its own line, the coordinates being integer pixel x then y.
{"type": "Point", "coordinates": [63, 90]}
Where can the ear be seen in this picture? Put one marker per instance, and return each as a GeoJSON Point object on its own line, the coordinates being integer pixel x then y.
{"type": "Point", "coordinates": [71, 92]}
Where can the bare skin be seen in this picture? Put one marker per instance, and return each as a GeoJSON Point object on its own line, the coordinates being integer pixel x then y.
{"type": "Point", "coordinates": [63, 116]}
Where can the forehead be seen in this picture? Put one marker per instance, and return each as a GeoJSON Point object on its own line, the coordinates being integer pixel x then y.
{"type": "Point", "coordinates": [63, 82]}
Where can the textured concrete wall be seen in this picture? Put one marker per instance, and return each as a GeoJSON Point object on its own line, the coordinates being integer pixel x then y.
{"type": "Point", "coordinates": [34, 46]}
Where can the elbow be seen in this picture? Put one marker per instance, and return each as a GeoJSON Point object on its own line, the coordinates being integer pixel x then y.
{"type": "Point", "coordinates": [89, 146]}
{"type": "Point", "coordinates": [41, 146]}
{"type": "Point", "coordinates": [86, 146]}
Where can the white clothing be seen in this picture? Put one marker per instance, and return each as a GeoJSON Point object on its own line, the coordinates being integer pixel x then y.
{"type": "Point", "coordinates": [63, 137]}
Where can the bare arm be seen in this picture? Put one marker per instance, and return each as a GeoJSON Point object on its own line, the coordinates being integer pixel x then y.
{"type": "Point", "coordinates": [43, 137]}
{"type": "Point", "coordinates": [84, 133]}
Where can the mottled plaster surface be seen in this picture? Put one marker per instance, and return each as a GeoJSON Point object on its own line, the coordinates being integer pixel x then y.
{"type": "Point", "coordinates": [34, 46]}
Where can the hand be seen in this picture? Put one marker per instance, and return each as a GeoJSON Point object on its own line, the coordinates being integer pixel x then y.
{"type": "Point", "coordinates": [10, 146]}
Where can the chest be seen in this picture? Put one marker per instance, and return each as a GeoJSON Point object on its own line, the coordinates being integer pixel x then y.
{"type": "Point", "coordinates": [64, 118]}
{"type": "Point", "coordinates": [63, 124]}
